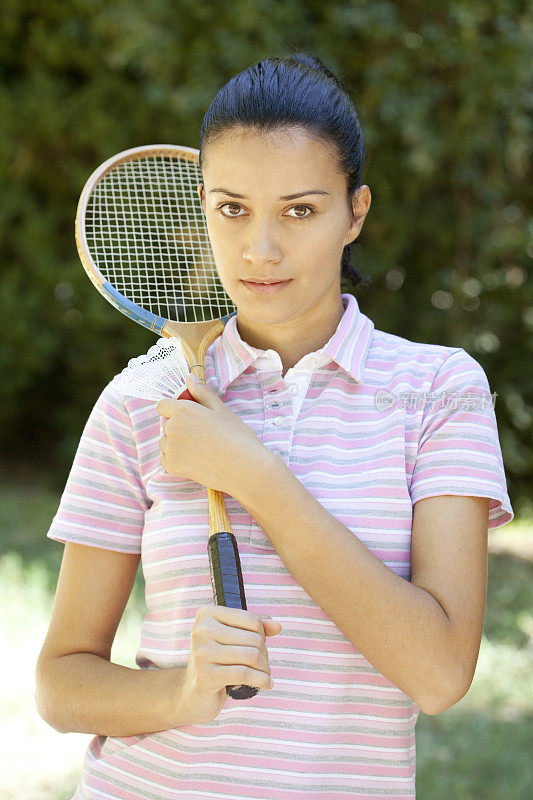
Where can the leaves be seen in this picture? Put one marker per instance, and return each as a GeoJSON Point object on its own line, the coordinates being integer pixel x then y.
{"type": "Point", "coordinates": [444, 98]}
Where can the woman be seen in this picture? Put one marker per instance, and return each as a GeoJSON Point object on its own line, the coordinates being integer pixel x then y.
{"type": "Point", "coordinates": [362, 472]}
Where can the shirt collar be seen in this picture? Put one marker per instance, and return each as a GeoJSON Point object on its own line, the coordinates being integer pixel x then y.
{"type": "Point", "coordinates": [348, 347]}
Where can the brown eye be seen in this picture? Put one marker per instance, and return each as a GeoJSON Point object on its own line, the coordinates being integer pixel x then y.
{"type": "Point", "coordinates": [302, 206]}
{"type": "Point", "coordinates": [235, 205]}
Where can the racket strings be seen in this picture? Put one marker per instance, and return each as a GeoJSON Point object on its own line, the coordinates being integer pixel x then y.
{"type": "Point", "coordinates": [145, 230]}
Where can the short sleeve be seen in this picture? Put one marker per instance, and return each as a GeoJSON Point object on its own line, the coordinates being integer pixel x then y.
{"type": "Point", "coordinates": [104, 502]}
{"type": "Point", "coordinates": [459, 449]}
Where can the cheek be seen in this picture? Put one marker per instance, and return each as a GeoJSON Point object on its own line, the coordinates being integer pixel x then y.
{"type": "Point", "coordinates": [319, 246]}
{"type": "Point", "coordinates": [224, 247]}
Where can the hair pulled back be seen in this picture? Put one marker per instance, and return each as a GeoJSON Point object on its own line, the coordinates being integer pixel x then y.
{"type": "Point", "coordinates": [296, 90]}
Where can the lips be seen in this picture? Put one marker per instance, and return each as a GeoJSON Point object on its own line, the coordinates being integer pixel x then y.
{"type": "Point", "coordinates": [266, 288]}
{"type": "Point", "coordinates": [266, 282]}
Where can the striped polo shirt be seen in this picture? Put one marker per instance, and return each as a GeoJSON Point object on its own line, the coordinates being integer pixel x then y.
{"type": "Point", "coordinates": [369, 424]}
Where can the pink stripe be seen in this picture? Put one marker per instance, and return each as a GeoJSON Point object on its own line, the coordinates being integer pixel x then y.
{"type": "Point", "coordinates": [333, 727]}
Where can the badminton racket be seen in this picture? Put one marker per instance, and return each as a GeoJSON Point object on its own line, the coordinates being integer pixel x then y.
{"type": "Point", "coordinates": [142, 239]}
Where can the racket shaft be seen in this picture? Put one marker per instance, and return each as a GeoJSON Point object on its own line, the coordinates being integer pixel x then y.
{"type": "Point", "coordinates": [228, 588]}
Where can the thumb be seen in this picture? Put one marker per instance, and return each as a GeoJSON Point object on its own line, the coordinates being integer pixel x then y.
{"type": "Point", "coordinates": [201, 392]}
{"type": "Point", "coordinates": [269, 624]}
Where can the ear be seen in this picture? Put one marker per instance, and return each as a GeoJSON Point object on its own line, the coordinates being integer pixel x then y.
{"type": "Point", "coordinates": [361, 205]}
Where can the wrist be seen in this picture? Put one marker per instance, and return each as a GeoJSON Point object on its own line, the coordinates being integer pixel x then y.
{"type": "Point", "coordinates": [264, 475]}
{"type": "Point", "coordinates": [176, 711]}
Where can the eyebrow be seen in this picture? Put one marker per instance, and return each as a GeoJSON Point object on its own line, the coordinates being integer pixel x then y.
{"type": "Point", "coordinates": [284, 197]}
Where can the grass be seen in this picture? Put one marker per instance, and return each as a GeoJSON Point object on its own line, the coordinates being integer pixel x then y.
{"type": "Point", "coordinates": [478, 750]}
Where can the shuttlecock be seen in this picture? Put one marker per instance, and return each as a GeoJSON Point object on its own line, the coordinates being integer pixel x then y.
{"type": "Point", "coordinates": [160, 373]}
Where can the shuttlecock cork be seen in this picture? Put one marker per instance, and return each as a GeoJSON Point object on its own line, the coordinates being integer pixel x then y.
{"type": "Point", "coordinates": [160, 373]}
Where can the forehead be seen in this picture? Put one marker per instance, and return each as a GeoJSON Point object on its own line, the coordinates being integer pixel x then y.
{"type": "Point", "coordinates": [288, 158]}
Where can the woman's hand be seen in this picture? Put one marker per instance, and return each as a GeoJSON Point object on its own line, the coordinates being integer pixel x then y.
{"type": "Point", "coordinates": [227, 648]}
{"type": "Point", "coordinates": [206, 442]}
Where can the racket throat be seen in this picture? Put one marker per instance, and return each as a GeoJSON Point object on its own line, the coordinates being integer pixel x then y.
{"type": "Point", "coordinates": [218, 516]}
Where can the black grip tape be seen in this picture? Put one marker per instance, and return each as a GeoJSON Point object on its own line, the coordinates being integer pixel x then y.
{"type": "Point", "coordinates": [228, 588]}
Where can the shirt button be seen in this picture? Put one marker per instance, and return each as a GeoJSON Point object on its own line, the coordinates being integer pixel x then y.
{"type": "Point", "coordinates": [313, 362]}
{"type": "Point", "coordinates": [293, 389]}
{"type": "Point", "coordinates": [278, 420]}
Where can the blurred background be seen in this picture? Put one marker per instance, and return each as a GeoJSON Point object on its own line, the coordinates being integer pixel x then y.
{"type": "Point", "coordinates": [444, 95]}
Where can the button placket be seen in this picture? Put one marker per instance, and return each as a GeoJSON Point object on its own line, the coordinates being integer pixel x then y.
{"type": "Point", "coordinates": [277, 398]}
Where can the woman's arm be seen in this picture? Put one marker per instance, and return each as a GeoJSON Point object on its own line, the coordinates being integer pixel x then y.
{"type": "Point", "coordinates": [423, 635]}
{"type": "Point", "coordinates": [85, 693]}
{"type": "Point", "coordinates": [78, 688]}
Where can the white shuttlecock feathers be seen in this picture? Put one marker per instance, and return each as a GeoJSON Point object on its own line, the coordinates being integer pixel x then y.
{"type": "Point", "coordinates": [160, 373]}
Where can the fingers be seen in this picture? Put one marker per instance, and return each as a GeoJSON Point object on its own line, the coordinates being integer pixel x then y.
{"type": "Point", "coordinates": [241, 675]}
{"type": "Point", "coordinates": [234, 618]}
{"type": "Point", "coordinates": [240, 632]}
{"type": "Point", "coordinates": [223, 654]}
{"type": "Point", "coordinates": [229, 655]}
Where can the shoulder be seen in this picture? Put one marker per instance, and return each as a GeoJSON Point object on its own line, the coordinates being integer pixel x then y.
{"type": "Point", "coordinates": [110, 424]}
{"type": "Point", "coordinates": [423, 363]}
{"type": "Point", "coordinates": [119, 408]}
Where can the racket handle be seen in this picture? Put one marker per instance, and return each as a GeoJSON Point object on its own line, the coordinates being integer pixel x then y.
{"type": "Point", "coordinates": [228, 588]}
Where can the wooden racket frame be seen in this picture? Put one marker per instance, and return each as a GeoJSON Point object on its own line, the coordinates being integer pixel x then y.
{"type": "Point", "coordinates": [196, 337]}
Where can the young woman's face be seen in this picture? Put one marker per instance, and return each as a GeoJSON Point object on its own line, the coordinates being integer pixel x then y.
{"type": "Point", "coordinates": [259, 233]}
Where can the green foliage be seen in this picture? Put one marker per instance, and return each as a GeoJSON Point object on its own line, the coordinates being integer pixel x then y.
{"type": "Point", "coordinates": [444, 99]}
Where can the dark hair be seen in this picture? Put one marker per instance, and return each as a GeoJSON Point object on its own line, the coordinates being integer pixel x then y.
{"type": "Point", "coordinates": [298, 90]}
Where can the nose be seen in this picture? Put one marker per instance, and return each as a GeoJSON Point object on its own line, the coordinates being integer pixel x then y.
{"type": "Point", "coordinates": [261, 243]}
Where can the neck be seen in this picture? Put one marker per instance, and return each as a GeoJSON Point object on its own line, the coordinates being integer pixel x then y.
{"type": "Point", "coordinates": [294, 339]}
